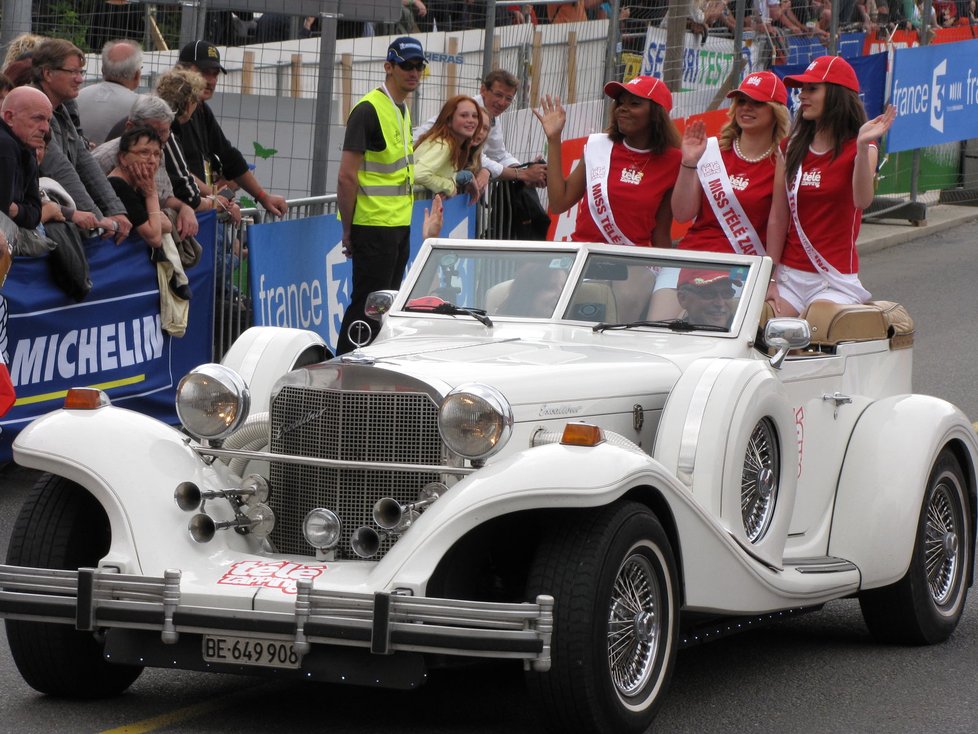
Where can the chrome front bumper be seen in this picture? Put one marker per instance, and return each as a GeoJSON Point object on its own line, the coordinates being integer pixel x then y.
{"type": "Point", "coordinates": [383, 623]}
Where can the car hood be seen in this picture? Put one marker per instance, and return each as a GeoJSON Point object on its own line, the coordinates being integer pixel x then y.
{"type": "Point", "coordinates": [527, 371]}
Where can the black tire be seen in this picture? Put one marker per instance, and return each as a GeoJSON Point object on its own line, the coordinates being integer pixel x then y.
{"type": "Point", "coordinates": [590, 563]}
{"type": "Point", "coordinates": [62, 526]}
{"type": "Point", "coordinates": [924, 607]}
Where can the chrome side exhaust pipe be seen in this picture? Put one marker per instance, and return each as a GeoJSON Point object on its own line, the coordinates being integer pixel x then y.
{"type": "Point", "coordinates": [258, 521]}
{"type": "Point", "coordinates": [189, 496]}
{"type": "Point", "coordinates": [391, 515]}
{"type": "Point", "coordinates": [365, 542]}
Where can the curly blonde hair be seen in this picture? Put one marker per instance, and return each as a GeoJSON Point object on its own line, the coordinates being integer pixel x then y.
{"type": "Point", "coordinates": [23, 44]}
{"type": "Point", "coordinates": [179, 87]}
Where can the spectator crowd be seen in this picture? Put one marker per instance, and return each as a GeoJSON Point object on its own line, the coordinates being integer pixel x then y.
{"type": "Point", "coordinates": [104, 161]}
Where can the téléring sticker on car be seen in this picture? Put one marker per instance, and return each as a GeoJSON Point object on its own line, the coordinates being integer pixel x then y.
{"type": "Point", "coordinates": [281, 575]}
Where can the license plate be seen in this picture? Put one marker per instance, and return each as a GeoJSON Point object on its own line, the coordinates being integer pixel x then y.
{"type": "Point", "coordinates": [249, 651]}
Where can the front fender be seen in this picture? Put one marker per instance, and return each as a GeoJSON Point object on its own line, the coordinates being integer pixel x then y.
{"type": "Point", "coordinates": [718, 574]}
{"type": "Point", "coordinates": [884, 474]}
{"type": "Point", "coordinates": [131, 464]}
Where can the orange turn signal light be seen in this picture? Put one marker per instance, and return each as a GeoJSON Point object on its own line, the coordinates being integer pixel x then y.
{"type": "Point", "coordinates": [582, 434]}
{"type": "Point", "coordinates": [85, 398]}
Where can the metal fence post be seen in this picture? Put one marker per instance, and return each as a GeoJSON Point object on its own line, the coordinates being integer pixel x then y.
{"type": "Point", "coordinates": [16, 20]}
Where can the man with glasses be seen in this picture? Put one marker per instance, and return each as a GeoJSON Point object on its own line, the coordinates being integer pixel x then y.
{"type": "Point", "coordinates": [102, 105]}
{"type": "Point", "coordinates": [705, 296]}
{"type": "Point", "coordinates": [58, 69]}
{"type": "Point", "coordinates": [375, 188]}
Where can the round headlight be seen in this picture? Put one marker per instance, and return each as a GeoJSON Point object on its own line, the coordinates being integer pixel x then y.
{"type": "Point", "coordinates": [321, 528]}
{"type": "Point", "coordinates": [212, 401]}
{"type": "Point", "coordinates": [475, 421]}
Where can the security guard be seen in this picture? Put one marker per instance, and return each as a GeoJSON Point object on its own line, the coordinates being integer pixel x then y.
{"type": "Point", "coordinates": [376, 181]}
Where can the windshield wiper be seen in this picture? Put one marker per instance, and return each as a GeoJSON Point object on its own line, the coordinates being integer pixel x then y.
{"type": "Point", "coordinates": [450, 309]}
{"type": "Point", "coordinates": [674, 324]}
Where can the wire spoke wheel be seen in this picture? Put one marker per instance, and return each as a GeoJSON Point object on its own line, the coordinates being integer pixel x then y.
{"type": "Point", "coordinates": [759, 480]}
{"type": "Point", "coordinates": [924, 607]}
{"type": "Point", "coordinates": [613, 577]}
{"type": "Point", "coordinates": [944, 524]}
{"type": "Point", "coordinates": [633, 625]}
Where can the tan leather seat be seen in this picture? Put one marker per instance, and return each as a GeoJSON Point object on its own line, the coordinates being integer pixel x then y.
{"type": "Point", "coordinates": [834, 323]}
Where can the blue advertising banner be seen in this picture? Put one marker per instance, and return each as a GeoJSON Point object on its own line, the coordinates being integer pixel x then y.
{"type": "Point", "coordinates": [871, 71]}
{"type": "Point", "coordinates": [111, 340]}
{"type": "Point", "coordinates": [935, 91]}
{"type": "Point", "coordinates": [802, 50]}
{"type": "Point", "coordinates": [300, 278]}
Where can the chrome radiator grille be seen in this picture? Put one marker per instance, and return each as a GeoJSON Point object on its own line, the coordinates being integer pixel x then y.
{"type": "Point", "coordinates": [399, 427]}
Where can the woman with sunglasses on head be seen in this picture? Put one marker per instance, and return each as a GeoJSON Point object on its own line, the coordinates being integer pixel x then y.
{"type": "Point", "coordinates": [441, 155]}
{"type": "Point", "coordinates": [134, 181]}
{"type": "Point", "coordinates": [822, 184]}
{"type": "Point", "coordinates": [726, 183]}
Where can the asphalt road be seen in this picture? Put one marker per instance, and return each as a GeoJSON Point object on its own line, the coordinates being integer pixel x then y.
{"type": "Point", "coordinates": [817, 673]}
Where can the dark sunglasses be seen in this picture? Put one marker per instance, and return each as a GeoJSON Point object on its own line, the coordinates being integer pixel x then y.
{"type": "Point", "coordinates": [412, 65]}
{"type": "Point", "coordinates": [709, 292]}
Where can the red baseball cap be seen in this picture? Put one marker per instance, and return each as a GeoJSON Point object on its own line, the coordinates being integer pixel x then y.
{"type": "Point", "coordinates": [642, 86]}
{"type": "Point", "coordinates": [762, 86]}
{"type": "Point", "coordinates": [826, 70]}
{"type": "Point", "coordinates": [695, 277]}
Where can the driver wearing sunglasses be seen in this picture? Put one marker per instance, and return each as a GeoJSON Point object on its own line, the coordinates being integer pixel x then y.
{"type": "Point", "coordinates": [706, 296]}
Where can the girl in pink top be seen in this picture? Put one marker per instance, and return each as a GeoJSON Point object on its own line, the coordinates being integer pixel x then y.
{"type": "Point", "coordinates": [822, 184]}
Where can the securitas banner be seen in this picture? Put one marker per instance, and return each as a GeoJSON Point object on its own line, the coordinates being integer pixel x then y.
{"type": "Point", "coordinates": [935, 91]}
{"type": "Point", "coordinates": [300, 278]}
{"type": "Point", "coordinates": [111, 340]}
{"type": "Point", "coordinates": [871, 71]}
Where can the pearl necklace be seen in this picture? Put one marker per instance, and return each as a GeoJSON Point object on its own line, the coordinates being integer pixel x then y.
{"type": "Point", "coordinates": [747, 159]}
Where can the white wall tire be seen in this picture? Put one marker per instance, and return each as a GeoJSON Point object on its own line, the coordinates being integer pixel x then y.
{"type": "Point", "coordinates": [613, 576]}
{"type": "Point", "coordinates": [924, 607]}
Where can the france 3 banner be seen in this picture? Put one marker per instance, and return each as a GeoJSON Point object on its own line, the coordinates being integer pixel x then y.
{"type": "Point", "coordinates": [935, 92]}
{"type": "Point", "coordinates": [871, 71]}
{"type": "Point", "coordinates": [111, 340]}
{"type": "Point", "coordinates": [300, 278]}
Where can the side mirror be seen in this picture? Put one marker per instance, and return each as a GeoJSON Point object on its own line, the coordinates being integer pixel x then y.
{"type": "Point", "coordinates": [379, 303]}
{"type": "Point", "coordinates": [784, 335]}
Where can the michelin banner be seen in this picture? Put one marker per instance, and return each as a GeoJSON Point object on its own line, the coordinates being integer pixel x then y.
{"type": "Point", "coordinates": [935, 92]}
{"type": "Point", "coordinates": [111, 340]}
{"type": "Point", "coordinates": [300, 278]}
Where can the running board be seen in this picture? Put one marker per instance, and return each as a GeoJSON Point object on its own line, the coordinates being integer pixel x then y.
{"type": "Point", "coordinates": [823, 564]}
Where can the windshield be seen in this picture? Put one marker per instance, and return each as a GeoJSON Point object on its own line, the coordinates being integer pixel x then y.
{"type": "Point", "coordinates": [498, 282]}
{"type": "Point", "coordinates": [611, 290]}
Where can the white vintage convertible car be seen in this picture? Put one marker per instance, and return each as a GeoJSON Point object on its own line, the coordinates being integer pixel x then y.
{"type": "Point", "coordinates": [523, 465]}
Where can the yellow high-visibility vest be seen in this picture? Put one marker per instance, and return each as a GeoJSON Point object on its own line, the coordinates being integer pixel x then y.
{"type": "Point", "coordinates": [385, 196]}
